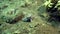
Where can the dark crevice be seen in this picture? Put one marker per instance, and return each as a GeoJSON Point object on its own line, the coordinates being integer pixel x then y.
{"type": "Point", "coordinates": [0, 24]}
{"type": "Point", "coordinates": [11, 21]}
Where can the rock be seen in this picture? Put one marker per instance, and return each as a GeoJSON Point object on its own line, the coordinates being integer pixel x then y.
{"type": "Point", "coordinates": [27, 19]}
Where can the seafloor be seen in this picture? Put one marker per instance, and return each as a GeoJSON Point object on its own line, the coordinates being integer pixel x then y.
{"type": "Point", "coordinates": [18, 11]}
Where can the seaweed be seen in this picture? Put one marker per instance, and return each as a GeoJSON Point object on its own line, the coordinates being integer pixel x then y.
{"type": "Point", "coordinates": [53, 12]}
